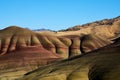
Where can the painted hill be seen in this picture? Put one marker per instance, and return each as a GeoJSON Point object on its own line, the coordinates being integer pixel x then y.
{"type": "Point", "coordinates": [21, 51]}
{"type": "Point", "coordinates": [26, 49]}
{"type": "Point", "coordinates": [21, 46]}
{"type": "Point", "coordinates": [101, 64]}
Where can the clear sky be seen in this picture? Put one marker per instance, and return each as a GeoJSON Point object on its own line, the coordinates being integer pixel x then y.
{"type": "Point", "coordinates": [55, 14]}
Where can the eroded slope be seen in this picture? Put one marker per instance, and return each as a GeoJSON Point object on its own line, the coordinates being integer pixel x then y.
{"type": "Point", "coordinates": [101, 64]}
{"type": "Point", "coordinates": [21, 47]}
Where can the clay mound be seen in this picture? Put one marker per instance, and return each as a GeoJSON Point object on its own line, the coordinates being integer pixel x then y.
{"type": "Point", "coordinates": [20, 45]}
{"type": "Point", "coordinates": [101, 64]}
{"type": "Point", "coordinates": [66, 46]}
{"type": "Point", "coordinates": [13, 38]}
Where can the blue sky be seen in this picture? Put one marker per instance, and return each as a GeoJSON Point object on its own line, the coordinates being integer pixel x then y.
{"type": "Point", "coordinates": [55, 14]}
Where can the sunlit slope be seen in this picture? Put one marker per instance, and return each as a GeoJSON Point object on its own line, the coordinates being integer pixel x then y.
{"type": "Point", "coordinates": [107, 28]}
{"type": "Point", "coordinates": [15, 39]}
{"type": "Point", "coordinates": [22, 46]}
{"type": "Point", "coordinates": [101, 64]}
